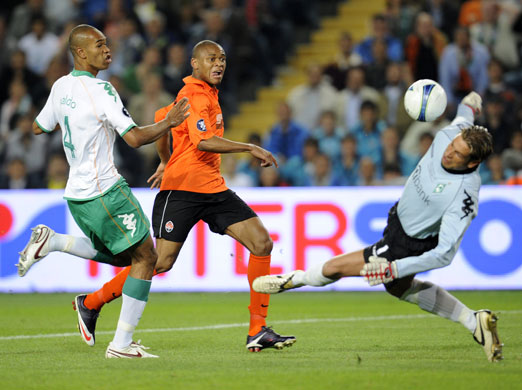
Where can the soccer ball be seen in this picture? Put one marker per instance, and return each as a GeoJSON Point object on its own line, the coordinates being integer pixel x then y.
{"type": "Point", "coordinates": [425, 100]}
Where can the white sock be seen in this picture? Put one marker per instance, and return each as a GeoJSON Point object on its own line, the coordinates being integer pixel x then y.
{"type": "Point", "coordinates": [312, 277]}
{"type": "Point", "coordinates": [78, 246]}
{"type": "Point", "coordinates": [131, 311]}
{"type": "Point", "coordinates": [436, 300]}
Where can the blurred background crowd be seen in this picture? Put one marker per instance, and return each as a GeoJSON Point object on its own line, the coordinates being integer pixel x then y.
{"type": "Point", "coordinates": [344, 126]}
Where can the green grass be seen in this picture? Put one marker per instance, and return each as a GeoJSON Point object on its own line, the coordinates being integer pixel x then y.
{"type": "Point", "coordinates": [346, 340]}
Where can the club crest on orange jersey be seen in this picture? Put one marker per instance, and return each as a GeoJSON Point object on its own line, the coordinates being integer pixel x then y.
{"type": "Point", "coordinates": [201, 125]}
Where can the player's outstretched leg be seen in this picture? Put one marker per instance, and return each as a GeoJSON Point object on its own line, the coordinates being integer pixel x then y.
{"type": "Point", "coordinates": [486, 335]}
{"type": "Point", "coordinates": [86, 319]}
{"type": "Point", "coordinates": [274, 284]}
{"type": "Point", "coordinates": [36, 249]}
{"type": "Point", "coordinates": [267, 338]}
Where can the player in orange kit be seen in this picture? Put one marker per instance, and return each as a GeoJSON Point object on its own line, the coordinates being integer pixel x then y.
{"type": "Point", "coordinates": [193, 189]}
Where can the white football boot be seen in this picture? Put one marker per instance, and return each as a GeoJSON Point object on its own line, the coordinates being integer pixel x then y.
{"type": "Point", "coordinates": [36, 249]}
{"type": "Point", "coordinates": [273, 284]}
{"type": "Point", "coordinates": [486, 335]}
{"type": "Point", "coordinates": [134, 350]}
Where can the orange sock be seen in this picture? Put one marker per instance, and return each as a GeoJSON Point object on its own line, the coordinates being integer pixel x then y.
{"type": "Point", "coordinates": [110, 291]}
{"type": "Point", "coordinates": [257, 266]}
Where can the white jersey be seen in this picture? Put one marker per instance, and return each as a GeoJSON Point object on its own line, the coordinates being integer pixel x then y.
{"type": "Point", "coordinates": [436, 201]}
{"type": "Point", "coordinates": [90, 113]}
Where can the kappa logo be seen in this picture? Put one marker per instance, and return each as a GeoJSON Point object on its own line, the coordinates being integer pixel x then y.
{"type": "Point", "coordinates": [130, 222]}
{"type": "Point", "coordinates": [468, 203]}
{"type": "Point", "coordinates": [125, 112]}
{"type": "Point", "coordinates": [169, 226]}
{"type": "Point", "coordinates": [201, 125]}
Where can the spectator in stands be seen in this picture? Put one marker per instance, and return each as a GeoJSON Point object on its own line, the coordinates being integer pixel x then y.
{"type": "Point", "coordinates": [54, 71]}
{"type": "Point", "coordinates": [412, 137]}
{"type": "Point", "coordinates": [308, 100]}
{"type": "Point", "coordinates": [286, 138]}
{"type": "Point", "coordinates": [367, 172]}
{"type": "Point", "coordinates": [425, 141]}
{"type": "Point", "coordinates": [233, 177]}
{"type": "Point", "coordinates": [134, 75]}
{"type": "Point", "coordinates": [57, 171]}
{"type": "Point", "coordinates": [463, 67]}
{"type": "Point", "coordinates": [142, 108]}
{"type": "Point", "coordinates": [17, 69]}
{"type": "Point", "coordinates": [392, 175]}
{"type": "Point", "coordinates": [271, 177]}
{"type": "Point", "coordinates": [176, 69]}
{"type": "Point", "coordinates": [512, 156]}
{"type": "Point", "coordinates": [368, 131]}
{"type": "Point", "coordinates": [39, 46]}
{"type": "Point", "coordinates": [351, 98]}
{"type": "Point", "coordinates": [127, 47]}
{"type": "Point", "coordinates": [444, 13]}
{"type": "Point", "coordinates": [424, 47]}
{"type": "Point", "coordinates": [391, 154]}
{"type": "Point", "coordinates": [397, 81]}
{"type": "Point", "coordinates": [18, 103]}
{"type": "Point", "coordinates": [494, 31]}
{"type": "Point", "coordinates": [498, 124]}
{"type": "Point", "coordinates": [16, 177]}
{"type": "Point", "coordinates": [252, 165]}
{"type": "Point", "coordinates": [321, 174]}
{"type": "Point", "coordinates": [22, 16]}
{"type": "Point", "coordinates": [23, 144]}
{"type": "Point", "coordinates": [380, 30]}
{"type": "Point", "coordinates": [498, 88]}
{"type": "Point", "coordinates": [156, 34]}
{"type": "Point", "coordinates": [400, 15]}
{"type": "Point", "coordinates": [347, 168]}
{"type": "Point", "coordinates": [470, 12]}
{"type": "Point", "coordinates": [329, 135]}
{"type": "Point", "coordinates": [298, 169]}
{"type": "Point", "coordinates": [344, 59]}
{"type": "Point", "coordinates": [494, 172]}
{"type": "Point", "coordinates": [376, 70]}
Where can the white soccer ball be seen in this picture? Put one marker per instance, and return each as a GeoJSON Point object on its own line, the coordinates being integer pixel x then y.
{"type": "Point", "coordinates": [425, 100]}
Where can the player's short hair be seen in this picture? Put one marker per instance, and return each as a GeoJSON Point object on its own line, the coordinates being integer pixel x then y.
{"type": "Point", "coordinates": [479, 141]}
{"type": "Point", "coordinates": [76, 32]}
{"type": "Point", "coordinates": [202, 44]}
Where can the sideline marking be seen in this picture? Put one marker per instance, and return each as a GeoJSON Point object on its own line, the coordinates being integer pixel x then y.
{"type": "Point", "coordinates": [242, 324]}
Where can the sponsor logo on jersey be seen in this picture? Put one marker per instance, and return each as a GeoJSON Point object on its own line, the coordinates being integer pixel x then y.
{"type": "Point", "coordinates": [440, 187]}
{"type": "Point", "coordinates": [468, 203]}
{"type": "Point", "coordinates": [129, 221]}
{"type": "Point", "coordinates": [219, 121]}
{"type": "Point", "coordinates": [417, 183]}
{"type": "Point", "coordinates": [68, 101]}
{"type": "Point", "coordinates": [169, 226]}
{"type": "Point", "coordinates": [201, 125]}
{"type": "Point", "coordinates": [125, 112]}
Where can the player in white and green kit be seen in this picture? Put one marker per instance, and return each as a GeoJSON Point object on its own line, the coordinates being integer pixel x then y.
{"type": "Point", "coordinates": [424, 231]}
{"type": "Point", "coordinates": [91, 115]}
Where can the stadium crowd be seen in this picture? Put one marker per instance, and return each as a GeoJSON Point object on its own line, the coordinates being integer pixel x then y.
{"type": "Point", "coordinates": [345, 126]}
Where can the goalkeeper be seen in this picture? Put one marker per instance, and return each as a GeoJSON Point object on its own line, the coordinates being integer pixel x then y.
{"type": "Point", "coordinates": [424, 231]}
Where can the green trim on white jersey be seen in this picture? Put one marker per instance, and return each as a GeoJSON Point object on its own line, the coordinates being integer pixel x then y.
{"type": "Point", "coordinates": [77, 73]}
{"type": "Point", "coordinates": [42, 128]}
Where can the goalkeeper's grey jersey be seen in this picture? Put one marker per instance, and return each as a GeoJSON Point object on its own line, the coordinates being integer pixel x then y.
{"type": "Point", "coordinates": [437, 201]}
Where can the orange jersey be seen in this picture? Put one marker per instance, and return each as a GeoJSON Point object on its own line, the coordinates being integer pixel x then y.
{"type": "Point", "coordinates": [190, 169]}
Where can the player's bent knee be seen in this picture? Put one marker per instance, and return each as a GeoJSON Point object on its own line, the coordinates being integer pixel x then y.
{"type": "Point", "coordinates": [262, 247]}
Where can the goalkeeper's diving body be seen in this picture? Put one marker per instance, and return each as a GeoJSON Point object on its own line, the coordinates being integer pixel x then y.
{"type": "Point", "coordinates": [424, 231]}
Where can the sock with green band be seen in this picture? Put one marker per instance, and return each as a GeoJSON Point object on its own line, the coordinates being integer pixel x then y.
{"type": "Point", "coordinates": [135, 296]}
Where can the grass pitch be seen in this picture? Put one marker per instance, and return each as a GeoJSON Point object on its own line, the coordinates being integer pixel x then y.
{"type": "Point", "coordinates": [346, 340]}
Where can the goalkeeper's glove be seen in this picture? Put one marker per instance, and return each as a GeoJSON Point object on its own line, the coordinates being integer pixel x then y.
{"type": "Point", "coordinates": [473, 101]}
{"type": "Point", "coordinates": [378, 271]}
